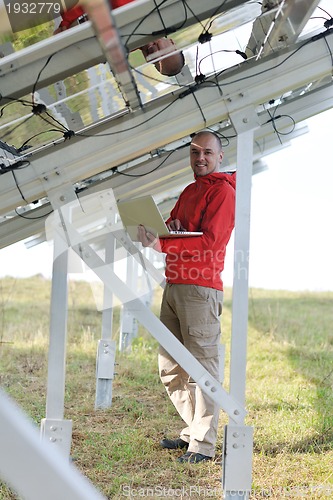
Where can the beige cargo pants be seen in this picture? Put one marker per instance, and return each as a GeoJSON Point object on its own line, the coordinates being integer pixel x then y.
{"type": "Point", "coordinates": [192, 313]}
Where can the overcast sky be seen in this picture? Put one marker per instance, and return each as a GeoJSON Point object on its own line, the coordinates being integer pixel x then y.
{"type": "Point", "coordinates": [291, 219]}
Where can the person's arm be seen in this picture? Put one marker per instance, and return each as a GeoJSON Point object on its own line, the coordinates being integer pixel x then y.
{"type": "Point", "coordinates": [69, 17]}
{"type": "Point", "coordinates": [148, 239]}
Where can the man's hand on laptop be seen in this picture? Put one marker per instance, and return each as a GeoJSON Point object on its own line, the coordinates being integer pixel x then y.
{"type": "Point", "coordinates": [148, 239]}
{"type": "Point", "coordinates": [175, 225]}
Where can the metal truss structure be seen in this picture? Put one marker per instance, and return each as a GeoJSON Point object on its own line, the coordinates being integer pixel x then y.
{"type": "Point", "coordinates": [127, 131]}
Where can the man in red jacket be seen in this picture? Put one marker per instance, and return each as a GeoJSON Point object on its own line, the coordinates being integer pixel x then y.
{"type": "Point", "coordinates": [192, 299]}
{"type": "Point", "coordinates": [168, 66]}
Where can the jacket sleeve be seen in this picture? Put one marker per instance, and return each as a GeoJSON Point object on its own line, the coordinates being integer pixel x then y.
{"type": "Point", "coordinates": [216, 225]}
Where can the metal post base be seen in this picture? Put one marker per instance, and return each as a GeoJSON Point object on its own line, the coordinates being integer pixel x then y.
{"type": "Point", "coordinates": [104, 373]}
{"type": "Point", "coordinates": [57, 432]}
{"type": "Point", "coordinates": [237, 461]}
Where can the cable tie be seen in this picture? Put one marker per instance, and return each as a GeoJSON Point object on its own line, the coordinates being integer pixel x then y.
{"type": "Point", "coordinates": [69, 134]}
{"type": "Point", "coordinates": [240, 53]}
{"type": "Point", "coordinates": [200, 78]}
{"type": "Point", "coordinates": [273, 118]}
{"type": "Point", "coordinates": [165, 32]}
{"type": "Point", "coordinates": [328, 23]}
{"type": "Point", "coordinates": [205, 37]}
{"type": "Point", "coordinates": [185, 93]}
{"type": "Point", "coordinates": [38, 109]}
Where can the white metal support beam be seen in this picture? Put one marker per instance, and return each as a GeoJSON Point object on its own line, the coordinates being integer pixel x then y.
{"type": "Point", "coordinates": [77, 49]}
{"type": "Point", "coordinates": [128, 322]}
{"type": "Point", "coordinates": [279, 25]}
{"type": "Point", "coordinates": [55, 428]}
{"type": "Point", "coordinates": [238, 440]}
{"type": "Point", "coordinates": [168, 120]}
{"type": "Point", "coordinates": [106, 351]}
{"type": "Point", "coordinates": [33, 468]}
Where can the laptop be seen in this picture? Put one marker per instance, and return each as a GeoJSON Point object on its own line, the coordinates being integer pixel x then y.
{"type": "Point", "coordinates": [144, 211]}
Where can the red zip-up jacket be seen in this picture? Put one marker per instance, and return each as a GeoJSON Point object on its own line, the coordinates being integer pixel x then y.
{"type": "Point", "coordinates": [206, 205]}
{"type": "Point", "coordinates": [70, 15]}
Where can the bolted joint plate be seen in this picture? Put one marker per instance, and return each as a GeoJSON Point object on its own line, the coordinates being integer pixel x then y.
{"type": "Point", "coordinates": [244, 119]}
{"type": "Point", "coordinates": [57, 432]}
{"type": "Point", "coordinates": [106, 353]}
{"type": "Point", "coordinates": [242, 113]}
{"type": "Point", "coordinates": [237, 458]}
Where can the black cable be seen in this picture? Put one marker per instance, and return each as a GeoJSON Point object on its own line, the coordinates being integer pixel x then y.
{"type": "Point", "coordinates": [190, 90]}
{"type": "Point", "coordinates": [140, 22]}
{"type": "Point", "coordinates": [17, 126]}
{"type": "Point", "coordinates": [18, 165]}
{"type": "Point", "coordinates": [39, 75]}
{"type": "Point", "coordinates": [173, 29]}
{"type": "Point", "coordinates": [193, 14]}
{"type": "Point", "coordinates": [146, 173]}
{"type": "Point", "coordinates": [329, 15]}
{"type": "Point", "coordinates": [79, 134]}
{"type": "Point", "coordinates": [55, 120]}
{"type": "Point", "coordinates": [222, 136]}
{"type": "Point", "coordinates": [214, 14]}
{"type": "Point", "coordinates": [319, 17]}
{"type": "Point", "coordinates": [239, 52]}
{"type": "Point", "coordinates": [273, 118]}
{"type": "Point", "coordinates": [36, 135]}
{"type": "Point", "coordinates": [18, 187]}
{"type": "Point", "coordinates": [13, 100]}
{"type": "Point", "coordinates": [200, 108]}
{"type": "Point", "coordinates": [329, 50]}
{"type": "Point", "coordinates": [268, 69]}
{"type": "Point", "coordinates": [170, 84]}
{"type": "Point", "coordinates": [37, 109]}
{"type": "Point", "coordinates": [160, 16]}
{"type": "Point", "coordinates": [33, 218]}
{"type": "Point", "coordinates": [65, 129]}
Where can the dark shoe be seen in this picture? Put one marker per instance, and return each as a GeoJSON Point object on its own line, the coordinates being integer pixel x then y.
{"type": "Point", "coordinates": [173, 444]}
{"type": "Point", "coordinates": [193, 458]}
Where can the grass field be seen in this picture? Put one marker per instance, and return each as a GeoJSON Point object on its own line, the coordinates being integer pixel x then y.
{"type": "Point", "coordinates": [289, 395]}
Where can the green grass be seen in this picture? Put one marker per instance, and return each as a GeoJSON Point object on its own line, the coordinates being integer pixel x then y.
{"type": "Point", "coordinates": [289, 395]}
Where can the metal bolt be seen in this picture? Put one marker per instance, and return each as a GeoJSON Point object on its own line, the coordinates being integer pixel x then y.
{"type": "Point", "coordinates": [245, 120]}
{"type": "Point", "coordinates": [236, 434]}
{"type": "Point", "coordinates": [53, 428]}
{"type": "Point", "coordinates": [207, 383]}
{"type": "Point", "coordinates": [213, 389]}
{"type": "Point", "coordinates": [235, 445]}
{"type": "Point", "coordinates": [52, 439]}
{"type": "Point", "coordinates": [62, 198]}
{"type": "Point", "coordinates": [236, 412]}
{"type": "Point", "coordinates": [106, 351]}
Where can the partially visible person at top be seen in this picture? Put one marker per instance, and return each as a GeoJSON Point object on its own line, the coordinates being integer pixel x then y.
{"type": "Point", "coordinates": [168, 66]}
{"type": "Point", "coordinates": [192, 299]}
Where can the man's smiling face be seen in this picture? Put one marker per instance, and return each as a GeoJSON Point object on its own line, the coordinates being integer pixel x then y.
{"type": "Point", "coordinates": [205, 154]}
